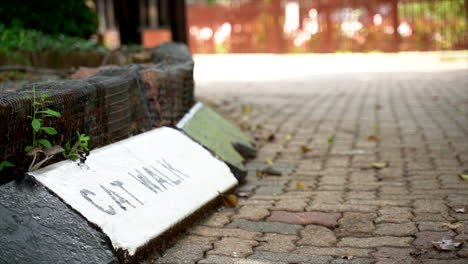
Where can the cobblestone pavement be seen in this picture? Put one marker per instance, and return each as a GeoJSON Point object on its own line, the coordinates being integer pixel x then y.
{"type": "Point", "coordinates": [330, 205]}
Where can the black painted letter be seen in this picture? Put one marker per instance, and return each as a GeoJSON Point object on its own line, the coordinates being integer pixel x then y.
{"type": "Point", "coordinates": [86, 193]}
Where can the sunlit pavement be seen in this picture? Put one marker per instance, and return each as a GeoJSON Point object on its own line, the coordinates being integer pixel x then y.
{"type": "Point", "coordinates": [324, 121]}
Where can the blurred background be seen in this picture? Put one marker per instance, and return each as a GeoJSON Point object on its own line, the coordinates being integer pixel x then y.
{"type": "Point", "coordinates": [243, 26]}
{"type": "Point", "coordinates": [67, 34]}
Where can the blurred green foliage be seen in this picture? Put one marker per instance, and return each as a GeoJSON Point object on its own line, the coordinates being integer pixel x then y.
{"type": "Point", "coordinates": [16, 38]}
{"type": "Point", "coordinates": [54, 17]}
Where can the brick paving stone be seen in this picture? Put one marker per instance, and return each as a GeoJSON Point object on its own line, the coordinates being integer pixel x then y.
{"type": "Point", "coordinates": [353, 261]}
{"type": "Point", "coordinates": [297, 205]}
{"type": "Point", "coordinates": [257, 203]}
{"type": "Point", "coordinates": [433, 226]}
{"type": "Point", "coordinates": [430, 206]}
{"type": "Point", "coordinates": [218, 219]}
{"type": "Point", "coordinates": [253, 213]}
{"type": "Point", "coordinates": [428, 217]}
{"type": "Point", "coordinates": [370, 242]}
{"type": "Point", "coordinates": [277, 243]}
{"type": "Point", "coordinates": [328, 197]}
{"type": "Point", "coordinates": [433, 253]}
{"type": "Point", "coordinates": [306, 218]}
{"type": "Point", "coordinates": [224, 232]}
{"type": "Point", "coordinates": [290, 257]}
{"type": "Point", "coordinates": [313, 235]}
{"type": "Point", "coordinates": [387, 229]}
{"type": "Point", "coordinates": [233, 247]}
{"type": "Point", "coordinates": [394, 215]}
{"type": "Point", "coordinates": [380, 202]}
{"type": "Point", "coordinates": [424, 239]}
{"type": "Point", "coordinates": [443, 261]}
{"type": "Point", "coordinates": [270, 227]}
{"type": "Point", "coordinates": [361, 195]}
{"type": "Point", "coordinates": [218, 259]}
{"type": "Point", "coordinates": [352, 224]}
{"type": "Point", "coordinates": [336, 208]}
{"type": "Point", "coordinates": [424, 139]}
{"type": "Point", "coordinates": [190, 249]}
{"type": "Point", "coordinates": [334, 251]}
{"type": "Point", "coordinates": [463, 252]}
{"type": "Point", "coordinates": [394, 255]}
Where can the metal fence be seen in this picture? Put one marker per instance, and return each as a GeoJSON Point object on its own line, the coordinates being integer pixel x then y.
{"type": "Point", "coordinates": [295, 26]}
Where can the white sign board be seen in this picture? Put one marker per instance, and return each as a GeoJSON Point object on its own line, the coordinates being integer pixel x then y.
{"type": "Point", "coordinates": [137, 188]}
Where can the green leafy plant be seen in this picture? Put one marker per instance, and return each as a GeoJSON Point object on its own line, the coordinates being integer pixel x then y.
{"type": "Point", "coordinates": [77, 150]}
{"type": "Point", "coordinates": [5, 164]}
{"type": "Point", "coordinates": [41, 113]}
{"type": "Point", "coordinates": [41, 146]}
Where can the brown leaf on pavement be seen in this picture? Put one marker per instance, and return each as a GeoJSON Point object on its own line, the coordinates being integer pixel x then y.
{"type": "Point", "coordinates": [271, 138]}
{"type": "Point", "coordinates": [305, 149]}
{"type": "Point", "coordinates": [230, 200]}
{"type": "Point", "coordinates": [373, 138]}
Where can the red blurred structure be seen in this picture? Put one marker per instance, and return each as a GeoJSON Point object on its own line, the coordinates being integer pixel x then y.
{"type": "Point", "coordinates": [294, 26]}
{"type": "Point", "coordinates": [289, 26]}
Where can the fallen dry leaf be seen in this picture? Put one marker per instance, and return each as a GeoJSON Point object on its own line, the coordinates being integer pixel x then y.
{"type": "Point", "coordinates": [230, 200]}
{"type": "Point", "coordinates": [287, 136]}
{"type": "Point", "coordinates": [305, 149]}
{"type": "Point", "coordinates": [271, 138]}
{"type": "Point", "coordinates": [464, 175]}
{"type": "Point", "coordinates": [259, 173]}
{"type": "Point", "coordinates": [300, 185]}
{"type": "Point", "coordinates": [380, 165]}
{"type": "Point", "coordinates": [373, 138]}
{"type": "Point", "coordinates": [347, 256]}
{"type": "Point", "coordinates": [268, 161]}
{"type": "Point", "coordinates": [446, 244]}
{"type": "Point", "coordinates": [246, 110]}
{"type": "Point", "coordinates": [451, 226]}
{"type": "Point", "coordinates": [244, 126]}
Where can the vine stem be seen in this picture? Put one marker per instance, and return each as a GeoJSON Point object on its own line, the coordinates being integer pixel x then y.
{"type": "Point", "coordinates": [34, 114]}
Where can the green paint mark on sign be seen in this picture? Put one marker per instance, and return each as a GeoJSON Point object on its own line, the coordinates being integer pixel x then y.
{"type": "Point", "coordinates": [219, 135]}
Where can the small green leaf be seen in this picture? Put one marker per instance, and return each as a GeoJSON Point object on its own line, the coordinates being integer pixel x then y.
{"type": "Point", "coordinates": [331, 139]}
{"type": "Point", "coordinates": [36, 124]}
{"type": "Point", "coordinates": [51, 112]}
{"type": "Point", "coordinates": [28, 148]}
{"type": "Point", "coordinates": [36, 103]}
{"type": "Point", "coordinates": [74, 156]}
{"type": "Point", "coordinates": [49, 130]}
{"type": "Point", "coordinates": [7, 164]}
{"type": "Point", "coordinates": [45, 143]}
